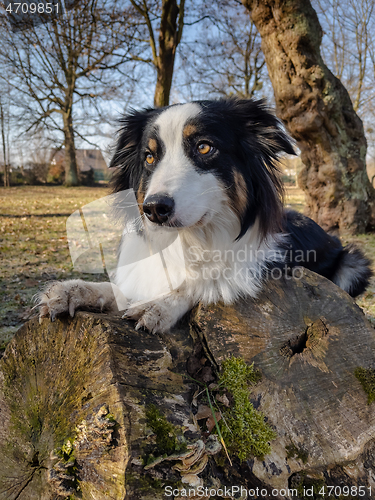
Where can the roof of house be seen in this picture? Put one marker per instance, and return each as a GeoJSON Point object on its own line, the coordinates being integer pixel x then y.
{"type": "Point", "coordinates": [87, 159]}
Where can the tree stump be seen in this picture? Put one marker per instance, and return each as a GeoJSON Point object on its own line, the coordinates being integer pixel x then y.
{"type": "Point", "coordinates": [78, 398]}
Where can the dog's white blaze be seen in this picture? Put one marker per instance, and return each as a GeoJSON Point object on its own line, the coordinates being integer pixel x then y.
{"type": "Point", "coordinates": [195, 194]}
{"type": "Point", "coordinates": [172, 121]}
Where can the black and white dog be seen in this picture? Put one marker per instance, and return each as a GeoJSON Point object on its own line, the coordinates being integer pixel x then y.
{"type": "Point", "coordinates": [209, 170]}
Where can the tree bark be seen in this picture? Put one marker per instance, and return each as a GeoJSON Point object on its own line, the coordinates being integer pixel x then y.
{"type": "Point", "coordinates": [75, 397]}
{"type": "Point", "coordinates": [171, 26]}
{"type": "Point", "coordinates": [71, 170]}
{"type": "Point", "coordinates": [317, 110]}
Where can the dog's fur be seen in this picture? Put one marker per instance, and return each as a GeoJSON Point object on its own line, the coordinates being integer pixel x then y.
{"type": "Point", "coordinates": [210, 169]}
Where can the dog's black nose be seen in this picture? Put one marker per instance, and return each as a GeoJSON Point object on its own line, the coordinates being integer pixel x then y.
{"type": "Point", "coordinates": [158, 208]}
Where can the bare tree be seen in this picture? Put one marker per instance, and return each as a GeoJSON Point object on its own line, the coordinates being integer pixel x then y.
{"type": "Point", "coordinates": [169, 15]}
{"type": "Point", "coordinates": [348, 42]}
{"type": "Point", "coordinates": [225, 56]}
{"type": "Point", "coordinates": [348, 48]}
{"type": "Point", "coordinates": [59, 66]}
{"type": "Point", "coordinates": [318, 112]}
{"type": "Point", "coordinates": [3, 126]}
{"type": "Point", "coordinates": [6, 123]}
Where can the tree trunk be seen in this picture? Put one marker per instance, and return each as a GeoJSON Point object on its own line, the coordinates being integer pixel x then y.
{"type": "Point", "coordinates": [170, 33]}
{"type": "Point", "coordinates": [164, 76]}
{"type": "Point", "coordinates": [6, 167]}
{"type": "Point", "coordinates": [80, 400]}
{"type": "Point", "coordinates": [317, 110]}
{"type": "Point", "coordinates": [71, 170]}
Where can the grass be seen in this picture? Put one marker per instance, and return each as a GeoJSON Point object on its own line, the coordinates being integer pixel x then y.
{"type": "Point", "coordinates": [295, 198]}
{"type": "Point", "coordinates": [34, 248]}
{"type": "Point", "coordinates": [367, 300]}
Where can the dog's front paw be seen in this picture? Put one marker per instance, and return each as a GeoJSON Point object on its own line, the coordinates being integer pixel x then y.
{"type": "Point", "coordinates": [68, 296]}
{"type": "Point", "coordinates": [155, 317]}
{"type": "Point", "coordinates": [59, 297]}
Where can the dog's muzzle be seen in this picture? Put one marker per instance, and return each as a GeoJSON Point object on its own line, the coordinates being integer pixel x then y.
{"type": "Point", "coordinates": [158, 208]}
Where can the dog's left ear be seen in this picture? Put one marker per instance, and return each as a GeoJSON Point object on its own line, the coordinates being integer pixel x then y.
{"type": "Point", "coordinates": [265, 131]}
{"type": "Point", "coordinates": [263, 140]}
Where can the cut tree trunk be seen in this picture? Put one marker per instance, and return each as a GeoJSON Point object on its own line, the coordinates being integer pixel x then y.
{"type": "Point", "coordinates": [316, 109]}
{"type": "Point", "coordinates": [76, 396]}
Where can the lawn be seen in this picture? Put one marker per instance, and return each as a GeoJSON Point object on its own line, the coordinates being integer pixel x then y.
{"type": "Point", "coordinates": [294, 198]}
{"type": "Point", "coordinates": [34, 247]}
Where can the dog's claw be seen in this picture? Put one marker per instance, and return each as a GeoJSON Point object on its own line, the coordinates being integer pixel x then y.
{"type": "Point", "coordinates": [71, 309]}
{"type": "Point", "coordinates": [138, 326]}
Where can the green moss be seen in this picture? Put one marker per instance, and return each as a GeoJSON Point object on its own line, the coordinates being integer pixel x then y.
{"type": "Point", "coordinates": [169, 438]}
{"type": "Point", "coordinates": [66, 452]}
{"type": "Point", "coordinates": [110, 417]}
{"type": "Point", "coordinates": [243, 428]}
{"type": "Point", "coordinates": [367, 380]}
{"type": "Point", "coordinates": [292, 451]}
{"type": "Point", "coordinates": [220, 460]}
{"type": "Point", "coordinates": [67, 456]}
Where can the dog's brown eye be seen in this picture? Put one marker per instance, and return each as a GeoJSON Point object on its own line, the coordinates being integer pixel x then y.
{"type": "Point", "coordinates": [204, 148]}
{"type": "Point", "coordinates": [150, 159]}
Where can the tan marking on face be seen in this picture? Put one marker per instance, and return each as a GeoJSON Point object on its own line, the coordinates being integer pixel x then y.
{"type": "Point", "coordinates": [152, 145]}
{"type": "Point", "coordinates": [240, 187]}
{"type": "Point", "coordinates": [189, 130]}
{"type": "Point", "coordinates": [141, 196]}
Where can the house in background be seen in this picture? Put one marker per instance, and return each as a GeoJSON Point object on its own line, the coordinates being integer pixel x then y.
{"type": "Point", "coordinates": [88, 160]}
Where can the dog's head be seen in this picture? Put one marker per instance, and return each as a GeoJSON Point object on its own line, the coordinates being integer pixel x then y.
{"type": "Point", "coordinates": [185, 162]}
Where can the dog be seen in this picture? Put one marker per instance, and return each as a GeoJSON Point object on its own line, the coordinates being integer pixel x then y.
{"type": "Point", "coordinates": [208, 171]}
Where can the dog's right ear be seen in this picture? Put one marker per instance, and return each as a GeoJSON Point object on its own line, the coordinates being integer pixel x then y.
{"type": "Point", "coordinates": [127, 151]}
